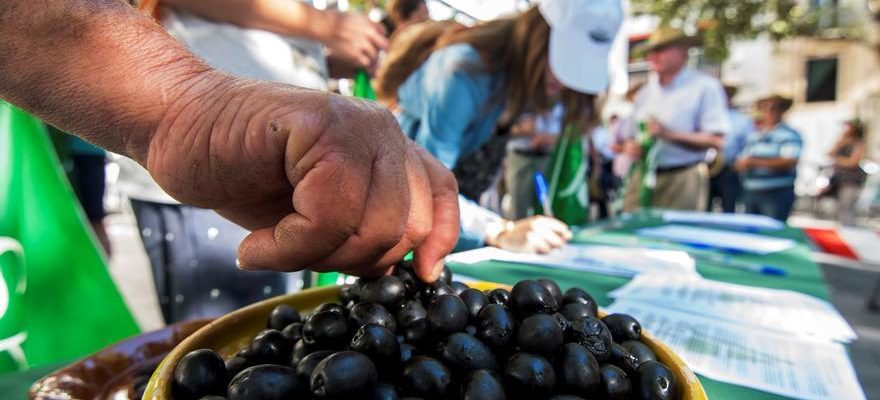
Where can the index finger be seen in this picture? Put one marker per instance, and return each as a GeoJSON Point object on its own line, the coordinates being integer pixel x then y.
{"type": "Point", "coordinates": [428, 257]}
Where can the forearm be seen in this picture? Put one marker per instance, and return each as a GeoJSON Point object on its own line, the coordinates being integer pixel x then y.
{"type": "Point", "coordinates": [696, 140]}
{"type": "Point", "coordinates": [286, 17]}
{"type": "Point", "coordinates": [774, 163]}
{"type": "Point", "coordinates": [97, 69]}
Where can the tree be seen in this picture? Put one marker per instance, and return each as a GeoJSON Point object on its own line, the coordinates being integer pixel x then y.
{"type": "Point", "coordinates": [721, 21]}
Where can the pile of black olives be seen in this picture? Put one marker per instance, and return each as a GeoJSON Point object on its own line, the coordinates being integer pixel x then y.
{"type": "Point", "coordinates": [396, 337]}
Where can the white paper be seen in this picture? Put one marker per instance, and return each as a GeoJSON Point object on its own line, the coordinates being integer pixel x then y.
{"type": "Point", "coordinates": [733, 220]}
{"type": "Point", "coordinates": [783, 311]}
{"type": "Point", "coordinates": [608, 260]}
{"type": "Point", "coordinates": [718, 239]}
{"type": "Point", "coordinates": [779, 364]}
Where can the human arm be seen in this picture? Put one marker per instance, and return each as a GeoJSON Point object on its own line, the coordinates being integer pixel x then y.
{"type": "Point", "coordinates": [696, 140]}
{"type": "Point", "coordinates": [324, 182]}
{"type": "Point", "coordinates": [777, 164]}
{"type": "Point", "coordinates": [538, 234]}
{"type": "Point", "coordinates": [351, 37]}
{"type": "Point", "coordinates": [854, 158]}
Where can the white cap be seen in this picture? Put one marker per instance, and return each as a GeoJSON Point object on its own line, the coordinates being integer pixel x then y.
{"type": "Point", "coordinates": [581, 34]}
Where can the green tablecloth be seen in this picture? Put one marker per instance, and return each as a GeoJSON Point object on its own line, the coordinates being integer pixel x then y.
{"type": "Point", "coordinates": [803, 276]}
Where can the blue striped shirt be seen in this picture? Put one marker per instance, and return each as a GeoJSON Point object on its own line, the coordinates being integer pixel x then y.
{"type": "Point", "coordinates": [780, 142]}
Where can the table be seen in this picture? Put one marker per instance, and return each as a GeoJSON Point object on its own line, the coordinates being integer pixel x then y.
{"type": "Point", "coordinates": [803, 276]}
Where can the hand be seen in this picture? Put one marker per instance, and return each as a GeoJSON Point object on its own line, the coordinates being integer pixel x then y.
{"type": "Point", "coordinates": [353, 38]}
{"type": "Point", "coordinates": [537, 234]}
{"type": "Point", "coordinates": [325, 182]}
{"type": "Point", "coordinates": [524, 127]}
{"type": "Point", "coordinates": [632, 149]}
{"type": "Point", "coordinates": [656, 129]}
{"type": "Point", "coordinates": [543, 141]}
{"type": "Point", "coordinates": [743, 164]}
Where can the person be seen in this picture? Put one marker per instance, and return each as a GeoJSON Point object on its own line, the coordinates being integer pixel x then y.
{"type": "Point", "coordinates": [324, 182]}
{"type": "Point", "coordinates": [685, 113]}
{"type": "Point", "coordinates": [725, 186]}
{"type": "Point", "coordinates": [402, 13]}
{"type": "Point", "coordinates": [89, 182]}
{"type": "Point", "coordinates": [484, 77]}
{"type": "Point", "coordinates": [528, 152]}
{"type": "Point", "coordinates": [848, 177]}
{"type": "Point", "coordinates": [768, 162]}
{"type": "Point", "coordinates": [192, 250]}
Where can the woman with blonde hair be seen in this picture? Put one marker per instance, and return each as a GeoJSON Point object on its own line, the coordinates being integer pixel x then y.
{"type": "Point", "coordinates": [475, 80]}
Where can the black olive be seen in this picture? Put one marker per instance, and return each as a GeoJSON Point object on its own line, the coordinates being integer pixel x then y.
{"type": "Point", "coordinates": [616, 384]}
{"type": "Point", "coordinates": [271, 347]}
{"type": "Point", "coordinates": [463, 353]}
{"type": "Point", "coordinates": [447, 314]}
{"type": "Point", "coordinates": [410, 282]}
{"type": "Point", "coordinates": [332, 307]}
{"type": "Point", "coordinates": [308, 363]}
{"type": "Point", "coordinates": [343, 375]}
{"type": "Point", "coordinates": [577, 371]}
{"type": "Point", "coordinates": [300, 350]}
{"type": "Point", "coordinates": [347, 294]}
{"type": "Point", "coordinates": [639, 350]}
{"type": "Point", "coordinates": [202, 398]}
{"type": "Point", "coordinates": [371, 313]}
{"type": "Point", "coordinates": [577, 295]}
{"type": "Point", "coordinates": [592, 334]}
{"type": "Point", "coordinates": [552, 288]}
{"type": "Point", "coordinates": [379, 344]}
{"type": "Point", "coordinates": [529, 376]}
{"type": "Point", "coordinates": [474, 300]}
{"type": "Point", "coordinates": [445, 275]}
{"type": "Point", "coordinates": [384, 391]}
{"type": "Point", "coordinates": [417, 332]}
{"type": "Point", "coordinates": [386, 290]}
{"type": "Point", "coordinates": [236, 364]}
{"type": "Point", "coordinates": [656, 382]}
{"type": "Point", "coordinates": [573, 311]}
{"type": "Point", "coordinates": [540, 334]}
{"type": "Point", "coordinates": [495, 326]}
{"type": "Point", "coordinates": [565, 397]}
{"type": "Point", "coordinates": [529, 297]}
{"type": "Point", "coordinates": [623, 327]}
{"type": "Point", "coordinates": [562, 321]}
{"type": "Point", "coordinates": [199, 373]}
{"type": "Point", "coordinates": [425, 377]}
{"type": "Point", "coordinates": [269, 382]}
{"type": "Point", "coordinates": [325, 330]}
{"type": "Point", "coordinates": [410, 312]}
{"type": "Point", "coordinates": [499, 296]}
{"type": "Point", "coordinates": [293, 332]}
{"type": "Point", "coordinates": [430, 292]}
{"type": "Point", "coordinates": [407, 352]}
{"type": "Point", "coordinates": [281, 316]}
{"type": "Point", "coordinates": [470, 330]}
{"type": "Point", "coordinates": [482, 385]}
{"type": "Point", "coordinates": [623, 359]}
{"type": "Point", "coordinates": [458, 287]}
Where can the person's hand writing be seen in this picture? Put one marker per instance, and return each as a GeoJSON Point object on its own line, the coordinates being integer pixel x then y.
{"type": "Point", "coordinates": [537, 234]}
{"type": "Point", "coordinates": [325, 182]}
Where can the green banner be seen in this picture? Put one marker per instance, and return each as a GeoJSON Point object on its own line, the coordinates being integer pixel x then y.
{"type": "Point", "coordinates": [70, 304]}
{"type": "Point", "coordinates": [569, 191]}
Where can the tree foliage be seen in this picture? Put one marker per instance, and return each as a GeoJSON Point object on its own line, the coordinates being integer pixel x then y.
{"type": "Point", "coordinates": [721, 21]}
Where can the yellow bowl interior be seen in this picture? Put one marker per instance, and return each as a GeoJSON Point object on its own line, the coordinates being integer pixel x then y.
{"type": "Point", "coordinates": [228, 334]}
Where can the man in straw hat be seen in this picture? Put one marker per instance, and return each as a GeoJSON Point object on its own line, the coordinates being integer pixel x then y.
{"type": "Point", "coordinates": [768, 163]}
{"type": "Point", "coordinates": [685, 114]}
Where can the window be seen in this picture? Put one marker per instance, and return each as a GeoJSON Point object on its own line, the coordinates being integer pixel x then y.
{"type": "Point", "coordinates": [822, 80]}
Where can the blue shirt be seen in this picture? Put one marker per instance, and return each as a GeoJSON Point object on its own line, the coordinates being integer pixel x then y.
{"type": "Point", "coordinates": [691, 102]}
{"type": "Point", "coordinates": [741, 127]}
{"type": "Point", "coordinates": [447, 105]}
{"type": "Point", "coordinates": [780, 142]}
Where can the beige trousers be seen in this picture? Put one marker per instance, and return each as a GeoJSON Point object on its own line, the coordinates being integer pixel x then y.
{"type": "Point", "coordinates": [684, 189]}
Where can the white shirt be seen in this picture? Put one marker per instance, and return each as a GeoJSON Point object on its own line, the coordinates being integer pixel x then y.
{"type": "Point", "coordinates": [692, 102]}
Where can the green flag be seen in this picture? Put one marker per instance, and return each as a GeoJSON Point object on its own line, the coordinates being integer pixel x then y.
{"type": "Point", "coordinates": [70, 304]}
{"type": "Point", "coordinates": [362, 87]}
{"type": "Point", "coordinates": [647, 165]}
{"type": "Point", "coordinates": [569, 194]}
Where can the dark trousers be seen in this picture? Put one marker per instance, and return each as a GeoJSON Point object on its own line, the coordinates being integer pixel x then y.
{"type": "Point", "coordinates": [725, 187]}
{"type": "Point", "coordinates": [774, 203]}
{"type": "Point", "coordinates": [192, 252]}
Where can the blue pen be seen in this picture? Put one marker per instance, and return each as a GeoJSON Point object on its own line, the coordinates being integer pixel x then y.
{"type": "Point", "coordinates": [728, 261]}
{"type": "Point", "coordinates": [543, 193]}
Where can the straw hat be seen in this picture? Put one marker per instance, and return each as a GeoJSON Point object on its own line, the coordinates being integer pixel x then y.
{"type": "Point", "coordinates": [668, 36]}
{"type": "Point", "coordinates": [784, 102]}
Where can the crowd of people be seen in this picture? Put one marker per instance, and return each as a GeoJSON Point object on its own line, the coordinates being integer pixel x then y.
{"type": "Point", "coordinates": [230, 136]}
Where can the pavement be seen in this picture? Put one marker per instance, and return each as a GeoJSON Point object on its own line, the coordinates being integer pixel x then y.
{"type": "Point", "coordinates": [849, 287]}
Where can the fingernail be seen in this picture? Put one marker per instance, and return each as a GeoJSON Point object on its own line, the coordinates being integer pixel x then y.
{"type": "Point", "coordinates": [242, 266]}
{"type": "Point", "coordinates": [437, 270]}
